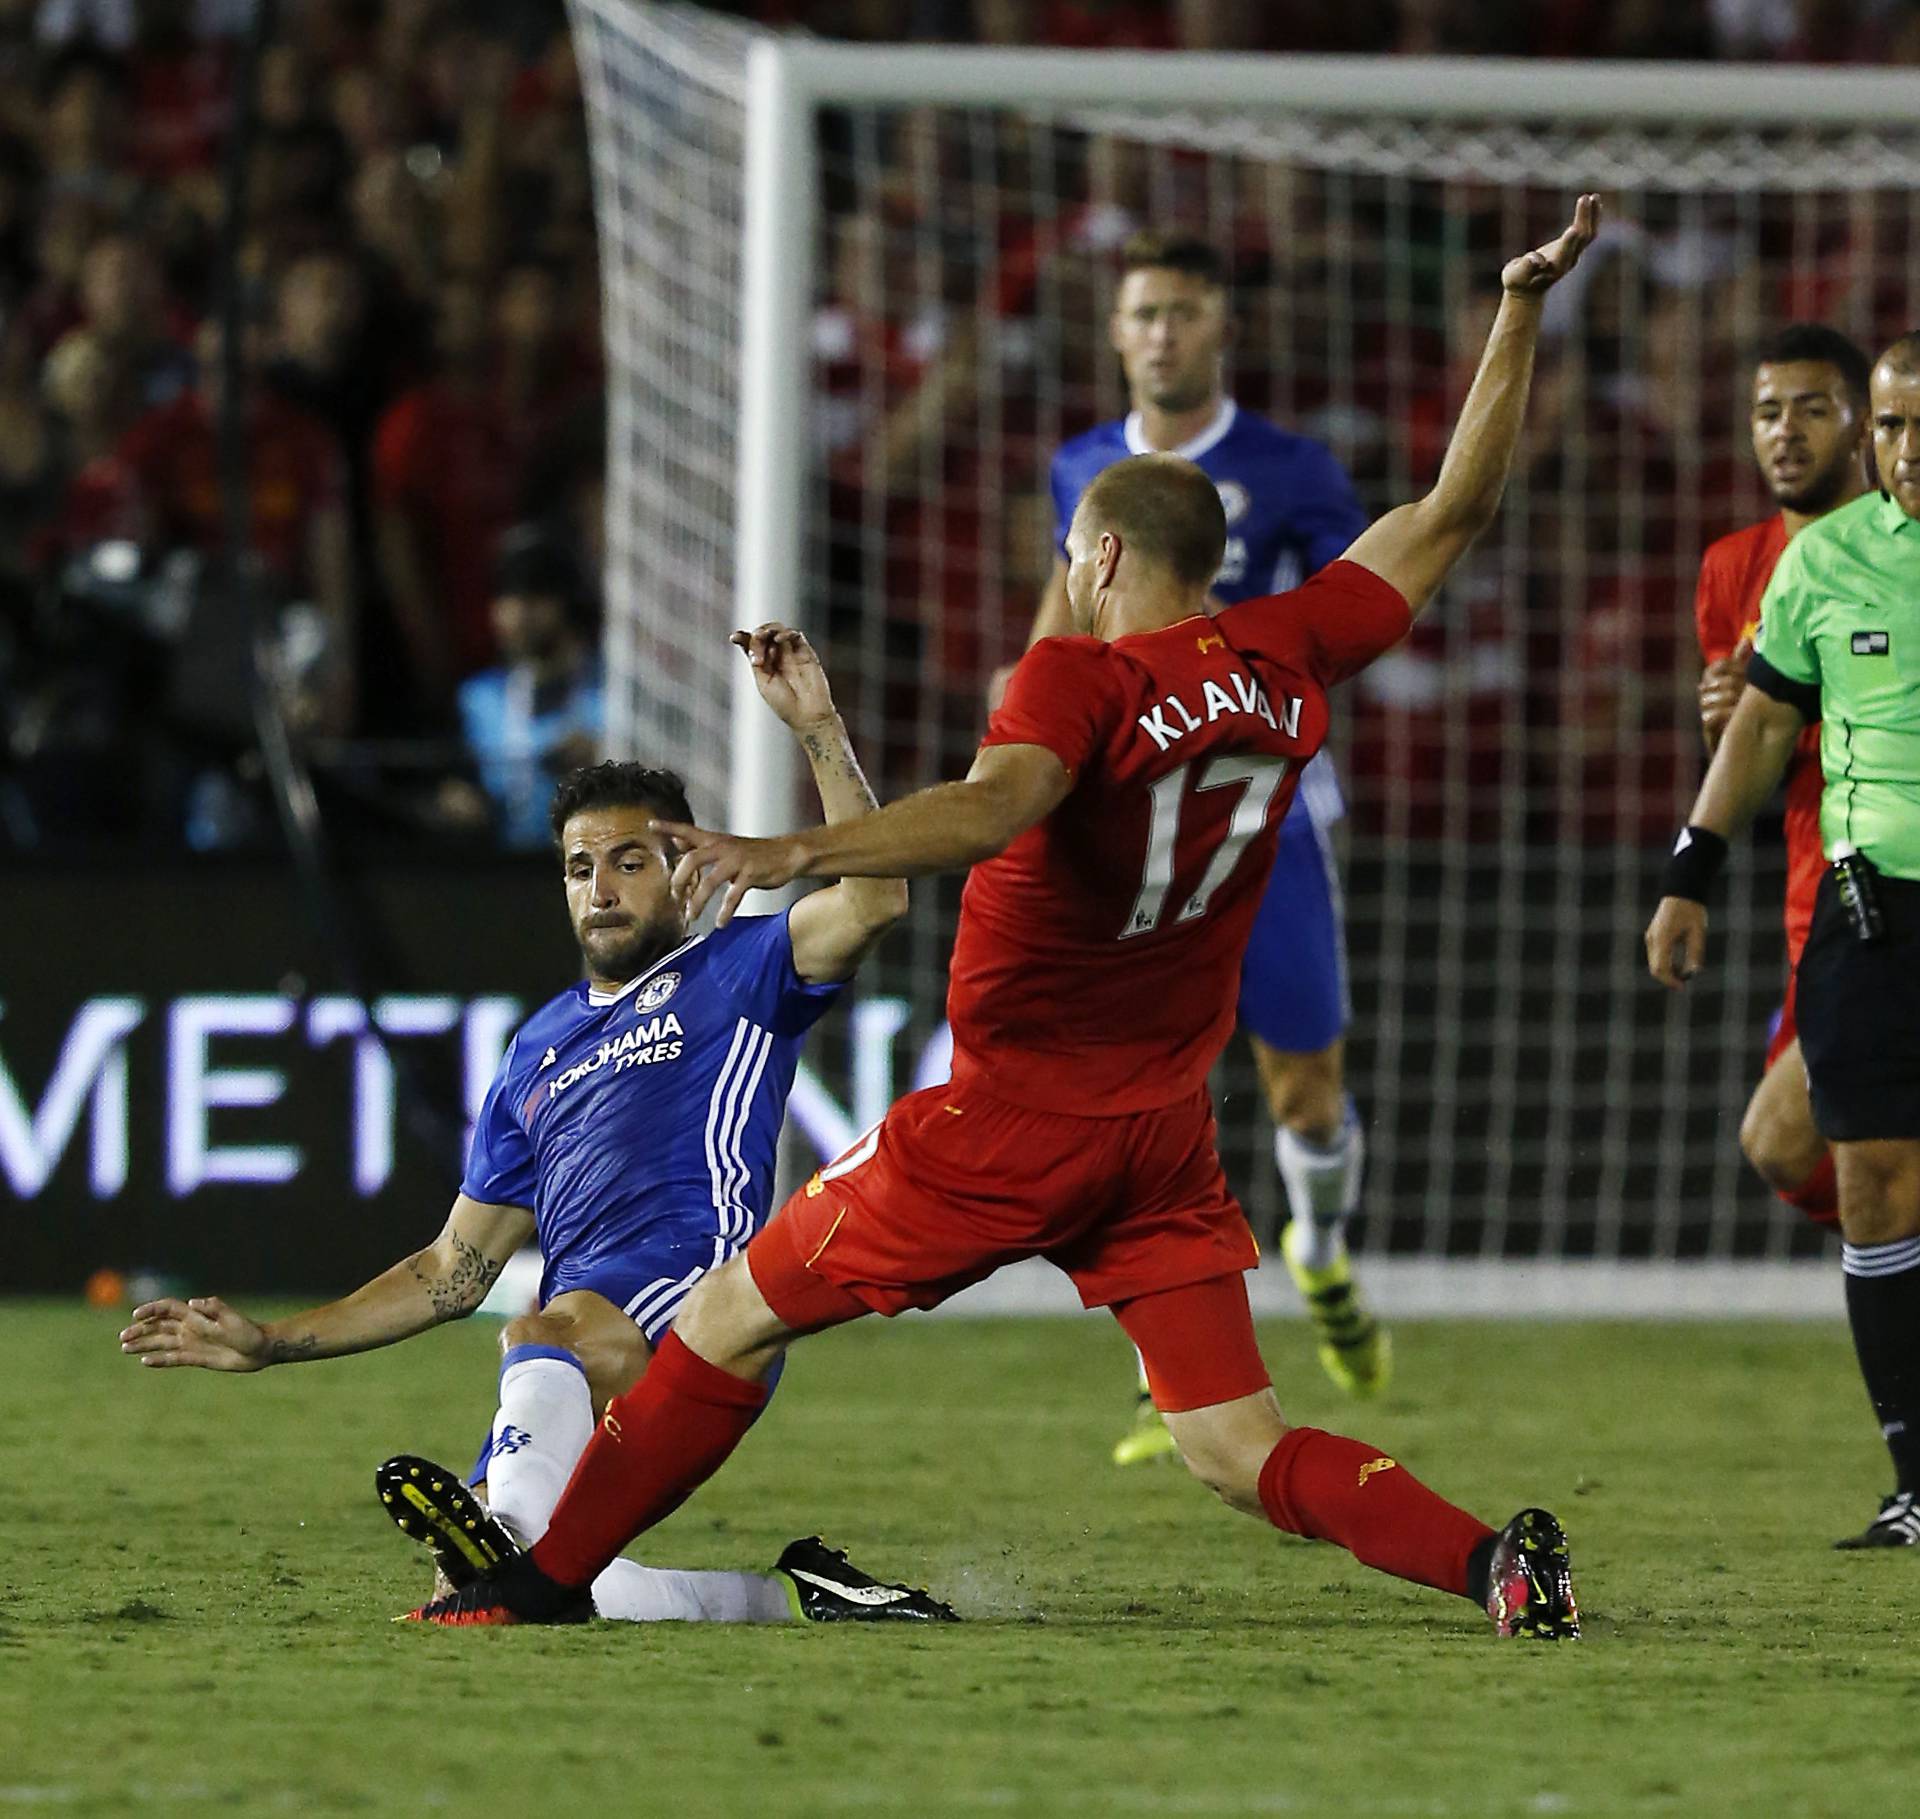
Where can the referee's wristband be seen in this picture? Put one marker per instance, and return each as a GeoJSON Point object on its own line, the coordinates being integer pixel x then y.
{"type": "Point", "coordinates": [1694, 863]}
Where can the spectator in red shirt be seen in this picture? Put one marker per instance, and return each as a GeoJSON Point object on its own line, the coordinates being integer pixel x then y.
{"type": "Point", "coordinates": [445, 484]}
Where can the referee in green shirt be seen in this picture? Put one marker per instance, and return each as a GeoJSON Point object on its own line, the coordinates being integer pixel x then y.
{"type": "Point", "coordinates": [1839, 642]}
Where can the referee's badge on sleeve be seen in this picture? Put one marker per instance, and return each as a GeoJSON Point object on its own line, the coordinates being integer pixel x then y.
{"type": "Point", "coordinates": [1871, 644]}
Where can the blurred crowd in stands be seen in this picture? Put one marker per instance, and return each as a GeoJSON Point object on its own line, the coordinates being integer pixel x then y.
{"type": "Point", "coordinates": [419, 346]}
{"type": "Point", "coordinates": [1804, 31]}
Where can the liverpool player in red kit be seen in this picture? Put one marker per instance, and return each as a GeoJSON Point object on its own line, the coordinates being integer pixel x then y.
{"type": "Point", "coordinates": [1119, 819]}
{"type": "Point", "coordinates": [1810, 424]}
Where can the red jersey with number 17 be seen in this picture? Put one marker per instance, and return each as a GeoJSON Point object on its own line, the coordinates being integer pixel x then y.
{"type": "Point", "coordinates": [1098, 958]}
{"type": "Point", "coordinates": [1734, 574]}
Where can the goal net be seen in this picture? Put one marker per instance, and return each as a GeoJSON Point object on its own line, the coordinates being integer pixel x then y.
{"type": "Point", "coordinates": [942, 264]}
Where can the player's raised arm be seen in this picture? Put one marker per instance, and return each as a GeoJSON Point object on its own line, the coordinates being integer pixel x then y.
{"type": "Point", "coordinates": [832, 929]}
{"type": "Point", "coordinates": [1414, 546]}
{"type": "Point", "coordinates": [446, 1281]}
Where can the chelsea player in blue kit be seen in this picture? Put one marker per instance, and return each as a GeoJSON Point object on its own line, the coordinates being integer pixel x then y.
{"type": "Point", "coordinates": [1290, 511]}
{"type": "Point", "coordinates": [632, 1125]}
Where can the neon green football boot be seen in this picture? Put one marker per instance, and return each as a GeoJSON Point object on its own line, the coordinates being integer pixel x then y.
{"type": "Point", "coordinates": [1356, 1351]}
{"type": "Point", "coordinates": [1149, 1437]}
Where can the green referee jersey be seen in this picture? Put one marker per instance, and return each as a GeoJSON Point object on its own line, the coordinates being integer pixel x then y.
{"type": "Point", "coordinates": [1842, 615]}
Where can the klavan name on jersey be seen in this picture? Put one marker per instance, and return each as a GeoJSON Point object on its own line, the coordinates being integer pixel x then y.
{"type": "Point", "coordinates": [1248, 697]}
{"type": "Point", "coordinates": [642, 1045]}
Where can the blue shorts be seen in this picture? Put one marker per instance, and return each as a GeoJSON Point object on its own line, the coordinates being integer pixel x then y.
{"type": "Point", "coordinates": [1293, 981]}
{"type": "Point", "coordinates": [646, 1280]}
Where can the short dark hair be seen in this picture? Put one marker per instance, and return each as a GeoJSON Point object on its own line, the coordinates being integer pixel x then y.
{"type": "Point", "coordinates": [616, 785]}
{"type": "Point", "coordinates": [534, 561]}
{"type": "Point", "coordinates": [1166, 509]}
{"type": "Point", "coordinates": [1814, 341]}
{"type": "Point", "coordinates": [1153, 252]}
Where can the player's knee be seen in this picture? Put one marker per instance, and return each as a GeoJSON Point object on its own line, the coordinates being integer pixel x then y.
{"type": "Point", "coordinates": [1307, 1093]}
{"type": "Point", "coordinates": [1780, 1154]}
{"type": "Point", "coordinates": [536, 1329]}
{"type": "Point", "coordinates": [1878, 1222]}
{"type": "Point", "coordinates": [1226, 1452]}
{"type": "Point", "coordinates": [1233, 1478]}
{"type": "Point", "coordinates": [1879, 1192]}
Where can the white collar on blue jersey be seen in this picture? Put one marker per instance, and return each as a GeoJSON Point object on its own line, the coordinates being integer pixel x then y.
{"type": "Point", "coordinates": [602, 999]}
{"type": "Point", "coordinates": [1194, 447]}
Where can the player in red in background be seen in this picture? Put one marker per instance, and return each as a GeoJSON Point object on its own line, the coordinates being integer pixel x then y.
{"type": "Point", "coordinates": [1810, 425]}
{"type": "Point", "coordinates": [1119, 820]}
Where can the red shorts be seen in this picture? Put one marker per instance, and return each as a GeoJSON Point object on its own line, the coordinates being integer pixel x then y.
{"type": "Point", "coordinates": [953, 1183]}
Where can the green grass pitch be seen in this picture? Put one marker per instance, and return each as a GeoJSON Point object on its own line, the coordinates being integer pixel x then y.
{"type": "Point", "coordinates": [195, 1584]}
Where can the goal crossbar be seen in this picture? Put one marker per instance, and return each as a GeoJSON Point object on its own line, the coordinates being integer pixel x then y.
{"type": "Point", "coordinates": [1429, 88]}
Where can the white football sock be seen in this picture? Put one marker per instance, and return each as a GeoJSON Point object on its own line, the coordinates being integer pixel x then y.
{"type": "Point", "coordinates": [543, 1426]}
{"type": "Point", "coordinates": [1139, 1359]}
{"type": "Point", "coordinates": [631, 1593]}
{"type": "Point", "coordinates": [1323, 1188]}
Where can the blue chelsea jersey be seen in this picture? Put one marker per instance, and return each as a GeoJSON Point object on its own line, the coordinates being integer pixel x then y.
{"type": "Point", "coordinates": [622, 1117]}
{"type": "Point", "coordinates": [1290, 511]}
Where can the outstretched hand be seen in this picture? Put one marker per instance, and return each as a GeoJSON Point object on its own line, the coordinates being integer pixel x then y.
{"type": "Point", "coordinates": [709, 861]}
{"type": "Point", "coordinates": [1544, 267]}
{"type": "Point", "coordinates": [203, 1332]}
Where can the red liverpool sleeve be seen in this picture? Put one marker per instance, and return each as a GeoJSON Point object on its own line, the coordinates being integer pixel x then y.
{"type": "Point", "coordinates": [1060, 695]}
{"type": "Point", "coordinates": [1333, 626]}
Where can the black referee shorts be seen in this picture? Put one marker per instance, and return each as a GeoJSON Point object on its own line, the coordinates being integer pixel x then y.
{"type": "Point", "coordinates": [1858, 1004]}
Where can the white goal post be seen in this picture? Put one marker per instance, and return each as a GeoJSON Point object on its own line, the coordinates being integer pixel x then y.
{"type": "Point", "coordinates": [825, 409]}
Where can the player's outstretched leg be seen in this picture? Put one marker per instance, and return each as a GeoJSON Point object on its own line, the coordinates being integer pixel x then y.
{"type": "Point", "coordinates": [824, 1586]}
{"type": "Point", "coordinates": [810, 1583]}
{"type": "Point", "coordinates": [665, 1437]}
{"type": "Point", "coordinates": [1207, 1374]}
{"type": "Point", "coordinates": [1147, 1438]}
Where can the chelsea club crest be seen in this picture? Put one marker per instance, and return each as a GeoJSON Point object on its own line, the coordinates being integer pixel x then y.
{"type": "Point", "coordinates": [655, 993]}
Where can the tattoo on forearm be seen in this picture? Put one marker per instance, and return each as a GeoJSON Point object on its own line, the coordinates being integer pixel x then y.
{"type": "Point", "coordinates": [831, 755]}
{"type": "Point", "coordinates": [293, 1351]}
{"type": "Point", "coordinates": [464, 1286]}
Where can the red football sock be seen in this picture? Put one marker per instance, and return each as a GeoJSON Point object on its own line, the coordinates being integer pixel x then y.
{"type": "Point", "coordinates": [1819, 1195]}
{"type": "Point", "coordinates": [659, 1443]}
{"type": "Point", "coordinates": [1329, 1488]}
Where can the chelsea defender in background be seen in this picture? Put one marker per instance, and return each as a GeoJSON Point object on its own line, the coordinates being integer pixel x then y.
{"type": "Point", "coordinates": [632, 1123]}
{"type": "Point", "coordinates": [1290, 511]}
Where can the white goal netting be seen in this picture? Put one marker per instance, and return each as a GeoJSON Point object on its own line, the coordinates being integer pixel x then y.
{"type": "Point", "coordinates": [1513, 772]}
